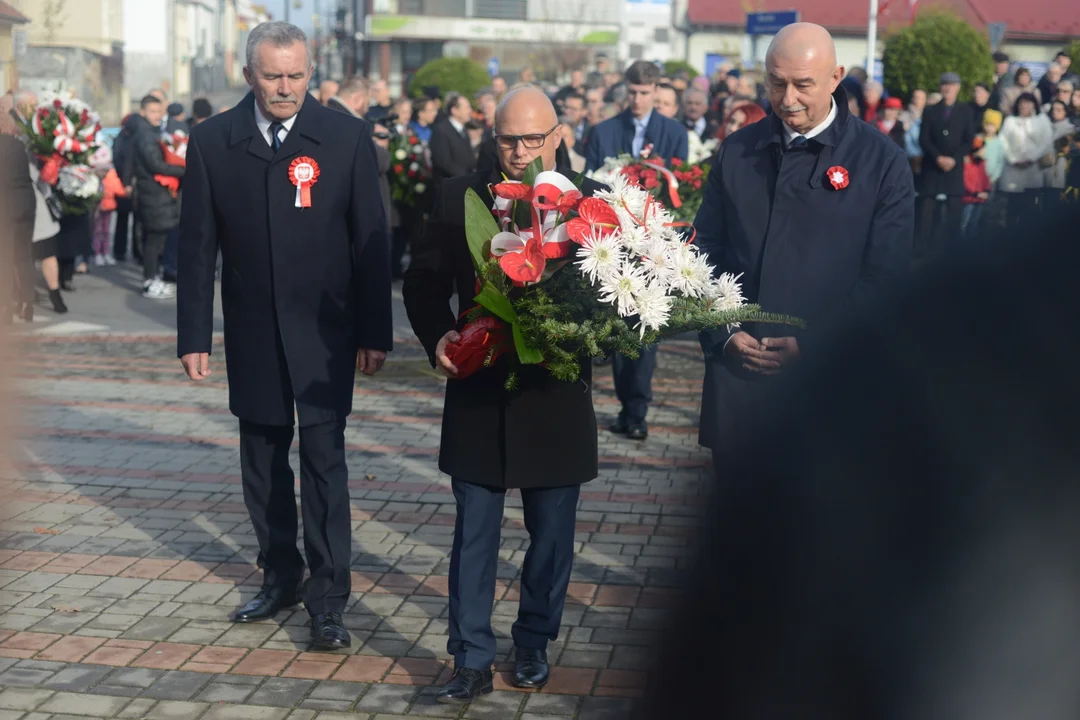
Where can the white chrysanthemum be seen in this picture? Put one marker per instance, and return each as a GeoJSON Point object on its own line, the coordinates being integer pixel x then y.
{"type": "Point", "coordinates": [725, 292]}
{"type": "Point", "coordinates": [657, 261]}
{"type": "Point", "coordinates": [78, 181]}
{"type": "Point", "coordinates": [601, 257]}
{"type": "Point", "coordinates": [653, 307]}
{"type": "Point", "coordinates": [692, 273]}
{"type": "Point", "coordinates": [612, 168]}
{"type": "Point", "coordinates": [419, 187]}
{"type": "Point", "coordinates": [622, 194]}
{"type": "Point", "coordinates": [635, 240]}
{"type": "Point", "coordinates": [401, 154]}
{"type": "Point", "coordinates": [621, 288]}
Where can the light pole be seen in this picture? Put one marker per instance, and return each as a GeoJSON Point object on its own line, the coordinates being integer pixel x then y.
{"type": "Point", "coordinates": [287, 4]}
{"type": "Point", "coordinates": [871, 39]}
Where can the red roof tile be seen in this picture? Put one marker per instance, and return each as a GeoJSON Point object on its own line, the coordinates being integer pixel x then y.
{"type": "Point", "coordinates": [1049, 19]}
{"type": "Point", "coordinates": [11, 15]}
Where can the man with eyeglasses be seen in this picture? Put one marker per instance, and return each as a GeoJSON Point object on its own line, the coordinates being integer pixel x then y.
{"type": "Point", "coordinates": [490, 436]}
{"type": "Point", "coordinates": [640, 131]}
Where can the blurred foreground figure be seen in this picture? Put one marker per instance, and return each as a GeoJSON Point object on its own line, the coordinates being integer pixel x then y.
{"type": "Point", "coordinates": [903, 542]}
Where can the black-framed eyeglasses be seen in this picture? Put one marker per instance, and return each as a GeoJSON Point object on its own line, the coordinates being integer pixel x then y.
{"type": "Point", "coordinates": [532, 141]}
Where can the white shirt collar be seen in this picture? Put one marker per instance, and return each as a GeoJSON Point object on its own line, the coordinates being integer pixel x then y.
{"type": "Point", "coordinates": [790, 134]}
{"type": "Point", "coordinates": [700, 124]}
{"type": "Point", "coordinates": [264, 123]}
{"type": "Point", "coordinates": [460, 127]}
{"type": "Point", "coordinates": [643, 122]}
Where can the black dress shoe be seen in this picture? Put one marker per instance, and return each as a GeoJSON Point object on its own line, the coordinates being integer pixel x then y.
{"type": "Point", "coordinates": [638, 431]}
{"type": "Point", "coordinates": [530, 668]}
{"type": "Point", "coordinates": [271, 600]}
{"type": "Point", "coordinates": [328, 632]}
{"type": "Point", "coordinates": [465, 686]}
{"type": "Point", "coordinates": [619, 427]}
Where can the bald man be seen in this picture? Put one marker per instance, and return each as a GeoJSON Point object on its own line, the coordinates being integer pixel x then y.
{"type": "Point", "coordinates": [493, 440]}
{"type": "Point", "coordinates": [814, 209]}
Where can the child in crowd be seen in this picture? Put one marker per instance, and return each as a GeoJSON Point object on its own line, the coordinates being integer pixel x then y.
{"type": "Point", "coordinates": [113, 189]}
{"type": "Point", "coordinates": [993, 154]}
{"type": "Point", "coordinates": [976, 189]}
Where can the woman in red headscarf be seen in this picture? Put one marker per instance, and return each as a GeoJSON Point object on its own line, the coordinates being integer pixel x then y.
{"type": "Point", "coordinates": [741, 115]}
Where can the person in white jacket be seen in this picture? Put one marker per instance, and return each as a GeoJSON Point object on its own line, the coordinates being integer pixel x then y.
{"type": "Point", "coordinates": [1028, 140]}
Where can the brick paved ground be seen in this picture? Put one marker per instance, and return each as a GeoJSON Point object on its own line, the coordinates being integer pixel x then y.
{"type": "Point", "coordinates": [126, 544]}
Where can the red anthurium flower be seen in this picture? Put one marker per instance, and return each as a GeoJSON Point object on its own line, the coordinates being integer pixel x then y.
{"type": "Point", "coordinates": [479, 338]}
{"type": "Point", "coordinates": [526, 266]}
{"type": "Point", "coordinates": [838, 177]}
{"type": "Point", "coordinates": [512, 191]}
{"type": "Point", "coordinates": [594, 215]}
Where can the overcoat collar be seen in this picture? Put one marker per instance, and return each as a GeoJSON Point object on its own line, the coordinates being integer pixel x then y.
{"type": "Point", "coordinates": [774, 129]}
{"type": "Point", "coordinates": [308, 125]}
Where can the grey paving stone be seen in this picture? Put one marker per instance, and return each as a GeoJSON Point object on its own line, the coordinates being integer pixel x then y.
{"type": "Point", "coordinates": [24, 677]}
{"type": "Point", "coordinates": [552, 704]}
{"type": "Point", "coordinates": [77, 678]}
{"type": "Point", "coordinates": [496, 706]}
{"type": "Point", "coordinates": [154, 628]}
{"type": "Point", "coordinates": [333, 690]}
{"type": "Point", "coordinates": [281, 692]}
{"type": "Point", "coordinates": [176, 710]}
{"type": "Point", "coordinates": [20, 699]}
{"type": "Point", "coordinates": [220, 692]}
{"type": "Point", "coordinates": [84, 704]}
{"type": "Point", "coordinates": [135, 677]}
{"type": "Point", "coordinates": [387, 698]}
{"type": "Point", "coordinates": [117, 690]}
{"type": "Point", "coordinates": [595, 708]}
{"type": "Point", "coordinates": [244, 712]}
{"type": "Point", "coordinates": [177, 685]}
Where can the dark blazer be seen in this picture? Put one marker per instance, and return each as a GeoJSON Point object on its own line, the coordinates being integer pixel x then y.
{"type": "Point", "coordinates": [709, 133]}
{"type": "Point", "coordinates": [155, 206]}
{"type": "Point", "coordinates": [302, 289]}
{"type": "Point", "coordinates": [616, 136]}
{"type": "Point", "coordinates": [541, 435]}
{"type": "Point", "coordinates": [802, 247]}
{"type": "Point", "coordinates": [451, 153]}
{"type": "Point", "coordinates": [953, 138]}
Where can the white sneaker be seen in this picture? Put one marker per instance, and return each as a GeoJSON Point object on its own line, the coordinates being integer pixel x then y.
{"type": "Point", "coordinates": [159, 290]}
{"type": "Point", "coordinates": [110, 260]}
{"type": "Point", "coordinates": [99, 261]}
{"type": "Point", "coordinates": [147, 284]}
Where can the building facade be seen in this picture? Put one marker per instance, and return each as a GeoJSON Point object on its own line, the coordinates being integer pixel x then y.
{"type": "Point", "coordinates": [75, 46]}
{"type": "Point", "coordinates": [548, 36]}
{"type": "Point", "coordinates": [12, 45]}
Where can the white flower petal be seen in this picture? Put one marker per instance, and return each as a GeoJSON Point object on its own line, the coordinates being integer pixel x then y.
{"type": "Point", "coordinates": [505, 242]}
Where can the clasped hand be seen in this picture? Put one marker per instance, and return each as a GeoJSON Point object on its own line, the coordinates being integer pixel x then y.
{"type": "Point", "coordinates": [768, 356]}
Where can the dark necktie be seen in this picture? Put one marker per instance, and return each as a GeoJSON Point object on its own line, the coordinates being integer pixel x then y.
{"type": "Point", "coordinates": [797, 143]}
{"type": "Point", "coordinates": [275, 141]}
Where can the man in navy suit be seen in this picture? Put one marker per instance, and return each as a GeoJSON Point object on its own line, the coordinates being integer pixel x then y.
{"type": "Point", "coordinates": [305, 290]}
{"type": "Point", "coordinates": [637, 131]}
{"type": "Point", "coordinates": [814, 209]}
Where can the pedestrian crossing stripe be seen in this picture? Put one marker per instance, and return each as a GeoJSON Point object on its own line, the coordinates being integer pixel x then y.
{"type": "Point", "coordinates": [70, 327]}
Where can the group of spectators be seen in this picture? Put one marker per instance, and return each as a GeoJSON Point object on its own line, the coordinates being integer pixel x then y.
{"type": "Point", "coordinates": [995, 162]}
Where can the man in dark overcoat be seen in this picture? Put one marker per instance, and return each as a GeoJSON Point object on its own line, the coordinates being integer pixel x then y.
{"type": "Point", "coordinates": [306, 296]}
{"type": "Point", "coordinates": [540, 438]}
{"type": "Point", "coordinates": [814, 208]}
{"type": "Point", "coordinates": [948, 129]}
{"type": "Point", "coordinates": [639, 131]}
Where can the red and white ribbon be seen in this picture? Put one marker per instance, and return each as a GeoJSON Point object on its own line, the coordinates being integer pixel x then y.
{"type": "Point", "coordinates": [672, 181]}
{"type": "Point", "coordinates": [303, 173]}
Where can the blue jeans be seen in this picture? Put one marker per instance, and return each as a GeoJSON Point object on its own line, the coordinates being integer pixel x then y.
{"type": "Point", "coordinates": [549, 519]}
{"type": "Point", "coordinates": [969, 221]}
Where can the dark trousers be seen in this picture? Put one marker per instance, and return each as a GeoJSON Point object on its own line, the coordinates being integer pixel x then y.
{"type": "Point", "coordinates": [324, 501]}
{"type": "Point", "coordinates": [120, 235]}
{"type": "Point", "coordinates": [169, 257]}
{"type": "Point", "coordinates": [633, 384]}
{"type": "Point", "coordinates": [939, 225]}
{"type": "Point", "coordinates": [399, 243]}
{"type": "Point", "coordinates": [549, 519]}
{"type": "Point", "coordinates": [153, 247]}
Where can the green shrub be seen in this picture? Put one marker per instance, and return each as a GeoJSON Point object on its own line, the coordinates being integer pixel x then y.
{"type": "Point", "coordinates": [673, 66]}
{"type": "Point", "coordinates": [937, 42]}
{"type": "Point", "coordinates": [460, 75]}
{"type": "Point", "coordinates": [1073, 51]}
